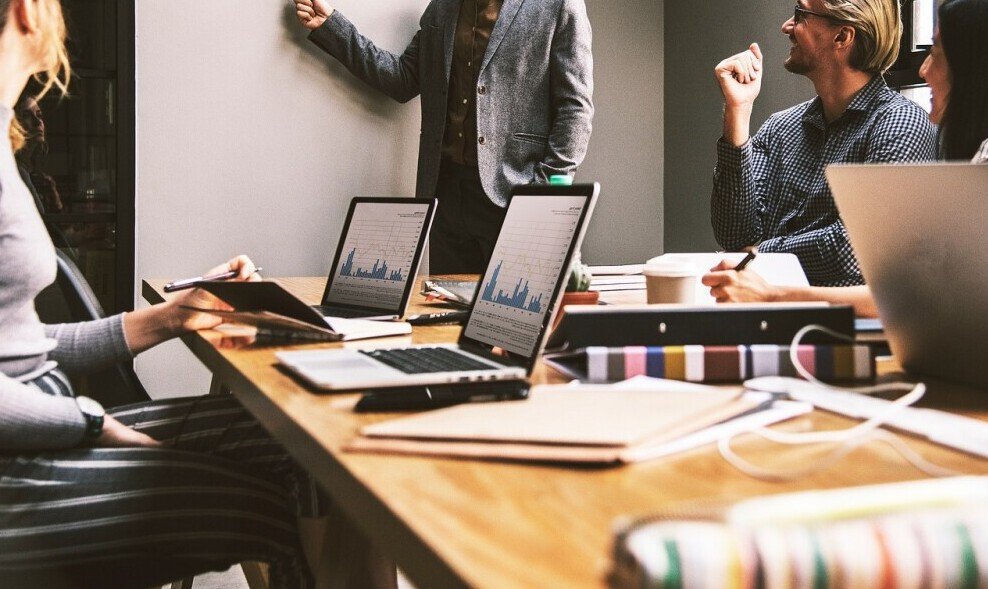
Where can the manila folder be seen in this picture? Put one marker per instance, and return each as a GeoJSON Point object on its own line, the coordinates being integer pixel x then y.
{"type": "Point", "coordinates": [592, 425]}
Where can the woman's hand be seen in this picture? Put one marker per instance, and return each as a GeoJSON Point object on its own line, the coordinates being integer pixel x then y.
{"type": "Point", "coordinates": [188, 320]}
{"type": "Point", "coordinates": [145, 328]}
{"type": "Point", "coordinates": [729, 286]}
{"type": "Point", "coordinates": [118, 435]}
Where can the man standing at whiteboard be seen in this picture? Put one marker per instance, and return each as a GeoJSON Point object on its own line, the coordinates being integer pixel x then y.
{"type": "Point", "coordinates": [506, 90]}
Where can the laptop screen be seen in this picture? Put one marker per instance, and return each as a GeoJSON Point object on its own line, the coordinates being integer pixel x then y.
{"type": "Point", "coordinates": [379, 253]}
{"type": "Point", "coordinates": [528, 268]}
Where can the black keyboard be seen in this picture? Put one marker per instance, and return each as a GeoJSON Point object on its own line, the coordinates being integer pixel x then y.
{"type": "Point", "coordinates": [426, 360]}
{"type": "Point", "coordinates": [345, 313]}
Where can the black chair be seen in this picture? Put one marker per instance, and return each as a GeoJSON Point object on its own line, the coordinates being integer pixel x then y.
{"type": "Point", "coordinates": [114, 386]}
{"type": "Point", "coordinates": [118, 385]}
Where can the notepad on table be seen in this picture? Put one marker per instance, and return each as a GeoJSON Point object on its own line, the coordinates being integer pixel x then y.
{"type": "Point", "coordinates": [278, 313]}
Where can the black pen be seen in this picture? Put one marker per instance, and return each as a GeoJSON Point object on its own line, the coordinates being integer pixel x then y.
{"type": "Point", "coordinates": [191, 282]}
{"type": "Point", "coordinates": [747, 260]}
{"type": "Point", "coordinates": [436, 318]}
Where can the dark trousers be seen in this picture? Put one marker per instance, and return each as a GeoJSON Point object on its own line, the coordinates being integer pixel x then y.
{"type": "Point", "coordinates": [221, 491]}
{"type": "Point", "coordinates": [467, 223]}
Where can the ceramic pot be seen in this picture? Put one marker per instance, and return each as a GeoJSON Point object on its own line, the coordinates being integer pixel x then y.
{"type": "Point", "coordinates": [587, 297]}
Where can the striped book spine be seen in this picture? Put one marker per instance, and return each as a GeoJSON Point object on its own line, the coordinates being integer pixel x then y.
{"type": "Point", "coordinates": [925, 549]}
{"type": "Point", "coordinates": [728, 363]}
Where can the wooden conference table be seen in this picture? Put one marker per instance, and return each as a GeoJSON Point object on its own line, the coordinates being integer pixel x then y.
{"type": "Point", "coordinates": [454, 523]}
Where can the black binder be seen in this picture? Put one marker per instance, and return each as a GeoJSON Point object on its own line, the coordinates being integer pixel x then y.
{"type": "Point", "coordinates": [674, 325]}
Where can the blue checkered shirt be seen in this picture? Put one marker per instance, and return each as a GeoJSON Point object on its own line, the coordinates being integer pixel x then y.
{"type": "Point", "coordinates": [772, 191]}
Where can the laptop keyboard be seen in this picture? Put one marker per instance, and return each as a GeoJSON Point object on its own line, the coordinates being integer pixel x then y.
{"type": "Point", "coordinates": [427, 360]}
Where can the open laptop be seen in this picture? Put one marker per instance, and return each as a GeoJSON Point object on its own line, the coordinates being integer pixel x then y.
{"type": "Point", "coordinates": [377, 258]}
{"type": "Point", "coordinates": [919, 235]}
{"type": "Point", "coordinates": [507, 327]}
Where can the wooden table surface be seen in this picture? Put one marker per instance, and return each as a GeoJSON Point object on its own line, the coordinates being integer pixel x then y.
{"type": "Point", "coordinates": [452, 523]}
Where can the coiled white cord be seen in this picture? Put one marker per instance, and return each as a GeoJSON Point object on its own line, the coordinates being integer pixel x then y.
{"type": "Point", "coordinates": [848, 439]}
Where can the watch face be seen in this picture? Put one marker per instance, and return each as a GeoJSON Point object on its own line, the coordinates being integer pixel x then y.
{"type": "Point", "coordinates": [90, 407]}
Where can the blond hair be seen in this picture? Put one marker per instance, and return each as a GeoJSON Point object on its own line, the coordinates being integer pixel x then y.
{"type": "Point", "coordinates": [57, 70]}
{"type": "Point", "coordinates": [878, 24]}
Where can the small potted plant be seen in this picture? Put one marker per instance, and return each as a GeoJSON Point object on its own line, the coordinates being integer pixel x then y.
{"type": "Point", "coordinates": [577, 289]}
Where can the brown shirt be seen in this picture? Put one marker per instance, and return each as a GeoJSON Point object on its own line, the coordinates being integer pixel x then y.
{"type": "Point", "coordinates": [473, 32]}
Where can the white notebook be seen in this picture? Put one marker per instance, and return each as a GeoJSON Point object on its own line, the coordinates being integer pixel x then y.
{"type": "Point", "coordinates": [777, 269]}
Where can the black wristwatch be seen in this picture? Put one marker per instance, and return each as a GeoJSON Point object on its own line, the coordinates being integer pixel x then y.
{"type": "Point", "coordinates": [94, 413]}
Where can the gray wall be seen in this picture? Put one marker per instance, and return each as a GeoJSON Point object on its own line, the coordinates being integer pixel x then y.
{"type": "Point", "coordinates": [698, 36]}
{"type": "Point", "coordinates": [250, 140]}
{"type": "Point", "coordinates": [626, 149]}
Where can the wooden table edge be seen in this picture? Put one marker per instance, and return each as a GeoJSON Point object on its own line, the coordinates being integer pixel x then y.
{"type": "Point", "coordinates": [417, 560]}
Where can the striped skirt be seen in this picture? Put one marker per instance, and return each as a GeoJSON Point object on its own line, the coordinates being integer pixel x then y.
{"type": "Point", "coordinates": [220, 492]}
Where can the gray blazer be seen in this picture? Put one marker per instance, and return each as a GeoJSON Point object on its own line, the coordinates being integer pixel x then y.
{"type": "Point", "coordinates": [534, 102]}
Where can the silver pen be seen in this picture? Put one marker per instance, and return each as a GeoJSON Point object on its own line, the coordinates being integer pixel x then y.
{"type": "Point", "coordinates": [186, 283]}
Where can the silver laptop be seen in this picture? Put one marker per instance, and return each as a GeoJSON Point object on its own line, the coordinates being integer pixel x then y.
{"type": "Point", "coordinates": [919, 234]}
{"type": "Point", "coordinates": [508, 323]}
{"type": "Point", "coordinates": [377, 258]}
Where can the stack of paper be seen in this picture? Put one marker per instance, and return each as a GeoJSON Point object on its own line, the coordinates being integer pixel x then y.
{"type": "Point", "coordinates": [455, 292]}
{"type": "Point", "coordinates": [619, 277]}
{"type": "Point", "coordinates": [617, 270]}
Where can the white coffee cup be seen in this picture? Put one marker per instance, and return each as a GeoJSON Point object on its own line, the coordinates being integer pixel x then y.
{"type": "Point", "coordinates": [670, 281]}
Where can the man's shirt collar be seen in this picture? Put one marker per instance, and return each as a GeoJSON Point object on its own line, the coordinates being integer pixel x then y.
{"type": "Point", "coordinates": [863, 101]}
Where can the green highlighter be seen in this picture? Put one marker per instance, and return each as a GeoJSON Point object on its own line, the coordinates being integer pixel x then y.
{"type": "Point", "coordinates": [560, 180]}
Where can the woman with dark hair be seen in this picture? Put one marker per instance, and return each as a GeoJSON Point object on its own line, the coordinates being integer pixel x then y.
{"type": "Point", "coordinates": [139, 495]}
{"type": "Point", "coordinates": [957, 72]}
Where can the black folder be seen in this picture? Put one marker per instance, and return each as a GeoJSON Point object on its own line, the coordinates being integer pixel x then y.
{"type": "Point", "coordinates": [677, 325]}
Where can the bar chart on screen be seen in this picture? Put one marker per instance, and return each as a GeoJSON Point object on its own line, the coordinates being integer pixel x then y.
{"type": "Point", "coordinates": [378, 254]}
{"type": "Point", "coordinates": [517, 298]}
{"type": "Point", "coordinates": [528, 258]}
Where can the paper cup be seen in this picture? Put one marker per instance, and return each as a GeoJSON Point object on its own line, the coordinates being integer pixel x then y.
{"type": "Point", "coordinates": [670, 282]}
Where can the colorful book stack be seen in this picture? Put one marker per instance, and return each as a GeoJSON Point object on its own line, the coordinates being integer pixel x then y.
{"type": "Point", "coordinates": [728, 363]}
{"type": "Point", "coordinates": [936, 549]}
{"type": "Point", "coordinates": [924, 534]}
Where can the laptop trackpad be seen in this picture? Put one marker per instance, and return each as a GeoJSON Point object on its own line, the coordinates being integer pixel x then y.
{"type": "Point", "coordinates": [342, 362]}
{"type": "Point", "coordinates": [344, 366]}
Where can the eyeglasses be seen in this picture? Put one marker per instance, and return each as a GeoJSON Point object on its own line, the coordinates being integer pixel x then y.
{"type": "Point", "coordinates": [798, 15]}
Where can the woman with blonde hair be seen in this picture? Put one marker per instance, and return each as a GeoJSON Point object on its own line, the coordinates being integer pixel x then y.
{"type": "Point", "coordinates": [143, 494]}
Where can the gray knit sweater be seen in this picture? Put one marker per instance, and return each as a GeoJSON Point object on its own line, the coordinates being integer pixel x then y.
{"type": "Point", "coordinates": [30, 419]}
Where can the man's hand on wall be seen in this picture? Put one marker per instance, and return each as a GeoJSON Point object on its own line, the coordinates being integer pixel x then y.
{"type": "Point", "coordinates": [312, 13]}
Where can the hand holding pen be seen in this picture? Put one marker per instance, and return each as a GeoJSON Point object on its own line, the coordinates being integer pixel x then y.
{"type": "Point", "coordinates": [752, 252]}
{"type": "Point", "coordinates": [731, 283]}
{"type": "Point", "coordinates": [185, 283]}
{"type": "Point", "coordinates": [186, 318]}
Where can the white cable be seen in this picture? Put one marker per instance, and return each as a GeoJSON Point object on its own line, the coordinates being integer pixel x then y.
{"type": "Point", "coordinates": [781, 476]}
{"type": "Point", "coordinates": [849, 438]}
{"type": "Point", "coordinates": [836, 436]}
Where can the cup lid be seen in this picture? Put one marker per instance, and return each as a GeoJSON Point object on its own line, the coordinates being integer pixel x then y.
{"type": "Point", "coordinates": [669, 267]}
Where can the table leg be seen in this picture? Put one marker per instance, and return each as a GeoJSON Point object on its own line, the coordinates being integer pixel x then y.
{"type": "Point", "coordinates": [350, 561]}
{"type": "Point", "coordinates": [216, 387]}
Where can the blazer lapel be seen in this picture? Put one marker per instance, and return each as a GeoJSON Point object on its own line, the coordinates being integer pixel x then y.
{"type": "Point", "coordinates": [448, 17]}
{"type": "Point", "coordinates": [509, 10]}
